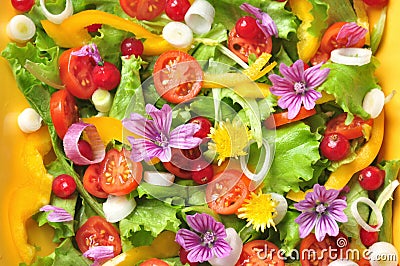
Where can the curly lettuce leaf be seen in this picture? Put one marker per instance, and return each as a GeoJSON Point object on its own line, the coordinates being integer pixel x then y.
{"type": "Point", "coordinates": [289, 232]}
{"type": "Point", "coordinates": [296, 151]}
{"type": "Point", "coordinates": [147, 221]}
{"type": "Point", "coordinates": [35, 92]}
{"type": "Point", "coordinates": [129, 96]}
{"type": "Point", "coordinates": [349, 85]}
{"type": "Point", "coordinates": [319, 22]}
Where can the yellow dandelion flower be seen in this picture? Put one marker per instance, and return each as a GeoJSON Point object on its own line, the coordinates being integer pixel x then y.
{"type": "Point", "coordinates": [259, 210]}
{"type": "Point", "coordinates": [229, 139]}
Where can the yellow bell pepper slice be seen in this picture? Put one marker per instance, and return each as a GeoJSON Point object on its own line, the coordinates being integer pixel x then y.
{"type": "Point", "coordinates": [34, 192]}
{"type": "Point", "coordinates": [72, 32]}
{"type": "Point", "coordinates": [308, 44]}
{"type": "Point", "coordinates": [365, 156]}
{"type": "Point", "coordinates": [108, 128]}
{"type": "Point", "coordinates": [164, 246]}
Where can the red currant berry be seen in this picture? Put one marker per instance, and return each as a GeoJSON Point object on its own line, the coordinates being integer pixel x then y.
{"type": "Point", "coordinates": [205, 126]}
{"type": "Point", "coordinates": [371, 178]}
{"type": "Point", "coordinates": [107, 76]}
{"type": "Point", "coordinates": [368, 238]}
{"type": "Point", "coordinates": [63, 186]}
{"type": "Point", "coordinates": [176, 9]}
{"type": "Point", "coordinates": [335, 146]}
{"type": "Point", "coordinates": [23, 5]}
{"type": "Point", "coordinates": [246, 27]}
{"type": "Point", "coordinates": [132, 46]}
{"type": "Point", "coordinates": [85, 149]}
{"type": "Point", "coordinates": [93, 27]}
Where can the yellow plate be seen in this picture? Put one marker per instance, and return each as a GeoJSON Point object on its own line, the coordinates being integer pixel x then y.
{"type": "Point", "coordinates": [12, 103]}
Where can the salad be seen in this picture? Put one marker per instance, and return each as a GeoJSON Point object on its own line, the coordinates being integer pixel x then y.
{"type": "Point", "coordinates": [203, 132]}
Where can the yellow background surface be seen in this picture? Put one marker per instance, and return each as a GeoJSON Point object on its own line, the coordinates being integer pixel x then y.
{"type": "Point", "coordinates": [12, 103]}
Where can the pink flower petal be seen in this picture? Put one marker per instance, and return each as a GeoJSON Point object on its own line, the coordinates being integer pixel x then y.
{"type": "Point", "coordinates": [90, 50]}
{"type": "Point", "coordinates": [293, 73]}
{"type": "Point", "coordinates": [141, 126]}
{"type": "Point", "coordinates": [182, 136]}
{"type": "Point", "coordinates": [56, 214]}
{"type": "Point", "coordinates": [99, 253]}
{"type": "Point", "coordinates": [352, 32]}
{"type": "Point", "coordinates": [200, 254]}
{"type": "Point", "coordinates": [162, 118]}
{"type": "Point", "coordinates": [264, 21]}
{"type": "Point", "coordinates": [187, 239]}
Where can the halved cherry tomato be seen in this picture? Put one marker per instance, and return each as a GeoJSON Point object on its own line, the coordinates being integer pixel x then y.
{"type": "Point", "coordinates": [76, 74]}
{"type": "Point", "coordinates": [91, 181]}
{"type": "Point", "coordinates": [244, 47]}
{"type": "Point", "coordinates": [180, 163]}
{"type": "Point", "coordinates": [322, 253]}
{"type": "Point", "coordinates": [319, 57]}
{"type": "Point", "coordinates": [143, 9]}
{"type": "Point", "coordinates": [96, 231]}
{"type": "Point", "coordinates": [178, 77]}
{"type": "Point", "coordinates": [351, 131]}
{"type": "Point", "coordinates": [227, 192]}
{"type": "Point", "coordinates": [259, 253]}
{"type": "Point", "coordinates": [279, 119]}
{"type": "Point", "coordinates": [63, 111]}
{"type": "Point", "coordinates": [153, 262]}
{"type": "Point", "coordinates": [119, 175]}
{"type": "Point", "coordinates": [376, 3]}
{"type": "Point", "coordinates": [329, 42]}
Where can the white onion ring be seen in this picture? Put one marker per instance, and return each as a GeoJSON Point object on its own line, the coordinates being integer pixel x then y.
{"type": "Point", "coordinates": [159, 178]}
{"type": "Point", "coordinates": [258, 177]}
{"type": "Point", "coordinates": [117, 208]}
{"type": "Point", "coordinates": [70, 143]}
{"type": "Point", "coordinates": [351, 56]}
{"type": "Point", "coordinates": [360, 221]}
{"type": "Point", "coordinates": [57, 19]}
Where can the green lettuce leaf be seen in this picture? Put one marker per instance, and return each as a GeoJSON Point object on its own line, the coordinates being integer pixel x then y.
{"type": "Point", "coordinates": [129, 96]}
{"type": "Point", "coordinates": [349, 84]}
{"type": "Point", "coordinates": [296, 151]}
{"type": "Point", "coordinates": [35, 92]}
{"type": "Point", "coordinates": [147, 221]}
{"type": "Point", "coordinates": [356, 191]}
{"type": "Point", "coordinates": [65, 254]}
{"type": "Point", "coordinates": [320, 13]}
{"type": "Point", "coordinates": [391, 169]}
{"type": "Point", "coordinates": [289, 232]}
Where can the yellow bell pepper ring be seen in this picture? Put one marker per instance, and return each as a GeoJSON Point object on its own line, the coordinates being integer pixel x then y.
{"type": "Point", "coordinates": [365, 156]}
{"type": "Point", "coordinates": [34, 192]}
{"type": "Point", "coordinates": [72, 31]}
{"type": "Point", "coordinates": [163, 246]}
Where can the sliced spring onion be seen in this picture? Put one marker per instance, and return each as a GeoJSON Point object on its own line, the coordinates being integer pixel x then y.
{"type": "Point", "coordinates": [29, 120]}
{"type": "Point", "coordinates": [234, 240]}
{"type": "Point", "coordinates": [232, 56]}
{"type": "Point", "coordinates": [117, 208]}
{"type": "Point", "coordinates": [373, 102]}
{"type": "Point", "coordinates": [159, 178]}
{"type": "Point", "coordinates": [351, 56]}
{"type": "Point", "coordinates": [200, 16]}
{"type": "Point", "coordinates": [359, 219]}
{"type": "Point", "coordinates": [383, 254]}
{"type": "Point", "coordinates": [70, 143]}
{"type": "Point", "coordinates": [21, 28]}
{"type": "Point", "coordinates": [390, 96]}
{"type": "Point", "coordinates": [387, 194]}
{"type": "Point", "coordinates": [282, 207]}
{"type": "Point", "coordinates": [178, 34]}
{"type": "Point", "coordinates": [59, 18]}
{"type": "Point", "coordinates": [102, 100]}
{"type": "Point", "coordinates": [257, 177]}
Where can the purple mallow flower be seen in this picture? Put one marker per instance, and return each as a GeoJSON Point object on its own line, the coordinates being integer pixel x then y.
{"type": "Point", "coordinates": [90, 50]}
{"type": "Point", "coordinates": [296, 87]}
{"type": "Point", "coordinates": [264, 21]}
{"type": "Point", "coordinates": [157, 138]}
{"type": "Point", "coordinates": [99, 254]}
{"type": "Point", "coordinates": [56, 214]}
{"type": "Point", "coordinates": [321, 209]}
{"type": "Point", "coordinates": [352, 32]}
{"type": "Point", "coordinates": [207, 241]}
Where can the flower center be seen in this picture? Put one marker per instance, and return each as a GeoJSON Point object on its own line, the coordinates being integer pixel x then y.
{"type": "Point", "coordinates": [162, 140]}
{"type": "Point", "coordinates": [208, 238]}
{"type": "Point", "coordinates": [300, 87]}
{"type": "Point", "coordinates": [320, 209]}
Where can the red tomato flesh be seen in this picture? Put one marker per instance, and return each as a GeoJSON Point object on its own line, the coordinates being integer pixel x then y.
{"type": "Point", "coordinates": [63, 111]}
{"type": "Point", "coordinates": [351, 131]}
{"type": "Point", "coordinates": [178, 77]}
